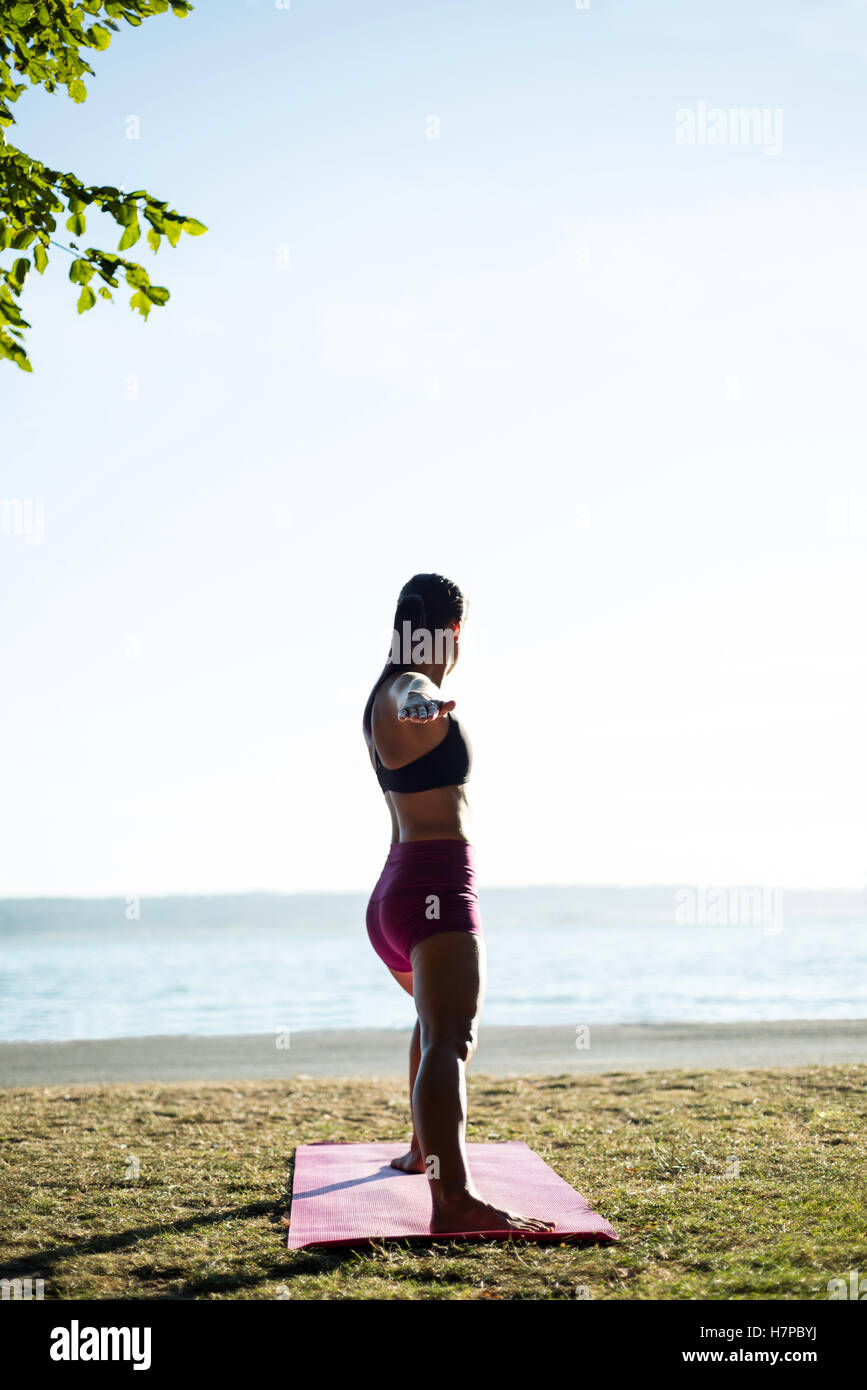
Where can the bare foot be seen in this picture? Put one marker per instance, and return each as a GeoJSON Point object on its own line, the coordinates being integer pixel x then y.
{"type": "Point", "coordinates": [469, 1212]}
{"type": "Point", "coordinates": [411, 1162]}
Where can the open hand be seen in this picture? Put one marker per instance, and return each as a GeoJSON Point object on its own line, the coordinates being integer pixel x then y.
{"type": "Point", "coordinates": [421, 709]}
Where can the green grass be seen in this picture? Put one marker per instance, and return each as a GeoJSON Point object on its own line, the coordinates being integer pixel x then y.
{"type": "Point", "coordinates": [205, 1216]}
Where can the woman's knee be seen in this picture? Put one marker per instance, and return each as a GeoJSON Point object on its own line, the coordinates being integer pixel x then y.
{"type": "Point", "coordinates": [452, 1036]}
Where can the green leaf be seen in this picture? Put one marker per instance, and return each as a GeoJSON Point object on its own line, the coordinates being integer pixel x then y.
{"type": "Point", "coordinates": [86, 299]}
{"type": "Point", "coordinates": [15, 352]}
{"type": "Point", "coordinates": [173, 230]}
{"type": "Point", "coordinates": [80, 271]}
{"type": "Point", "coordinates": [154, 240]}
{"type": "Point", "coordinates": [125, 213]}
{"type": "Point", "coordinates": [193, 227]}
{"type": "Point", "coordinates": [106, 294]}
{"type": "Point", "coordinates": [141, 302]}
{"type": "Point", "coordinates": [77, 90]}
{"type": "Point", "coordinates": [20, 270]}
{"type": "Point", "coordinates": [130, 237]}
{"type": "Point", "coordinates": [157, 294]}
{"type": "Point", "coordinates": [9, 311]}
{"type": "Point", "coordinates": [101, 36]}
{"type": "Point", "coordinates": [76, 223]}
{"type": "Point", "coordinates": [40, 256]}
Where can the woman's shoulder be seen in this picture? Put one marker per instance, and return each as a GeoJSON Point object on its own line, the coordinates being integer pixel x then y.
{"type": "Point", "coordinates": [390, 688]}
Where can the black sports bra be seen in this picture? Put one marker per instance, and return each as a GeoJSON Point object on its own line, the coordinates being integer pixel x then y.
{"type": "Point", "coordinates": [447, 765]}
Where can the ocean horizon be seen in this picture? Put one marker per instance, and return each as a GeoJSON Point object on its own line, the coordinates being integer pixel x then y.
{"type": "Point", "coordinates": [74, 968]}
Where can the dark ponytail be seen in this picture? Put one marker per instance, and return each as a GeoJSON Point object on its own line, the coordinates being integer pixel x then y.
{"type": "Point", "coordinates": [410, 609]}
{"type": "Point", "coordinates": [425, 601]}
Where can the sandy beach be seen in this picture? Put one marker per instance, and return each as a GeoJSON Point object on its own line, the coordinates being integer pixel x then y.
{"type": "Point", "coordinates": [383, 1052]}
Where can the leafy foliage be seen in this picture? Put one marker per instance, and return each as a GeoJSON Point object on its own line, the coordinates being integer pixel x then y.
{"type": "Point", "coordinates": [43, 43]}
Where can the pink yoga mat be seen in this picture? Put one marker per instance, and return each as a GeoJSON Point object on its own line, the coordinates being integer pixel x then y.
{"type": "Point", "coordinates": [345, 1194]}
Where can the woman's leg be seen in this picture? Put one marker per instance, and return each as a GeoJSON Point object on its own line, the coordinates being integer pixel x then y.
{"type": "Point", "coordinates": [448, 987]}
{"type": "Point", "coordinates": [412, 1161]}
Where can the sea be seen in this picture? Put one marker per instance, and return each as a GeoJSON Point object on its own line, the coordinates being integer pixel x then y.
{"type": "Point", "coordinates": [261, 963]}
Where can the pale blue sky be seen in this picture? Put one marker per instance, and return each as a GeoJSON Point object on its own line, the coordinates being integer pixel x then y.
{"type": "Point", "coordinates": [610, 384]}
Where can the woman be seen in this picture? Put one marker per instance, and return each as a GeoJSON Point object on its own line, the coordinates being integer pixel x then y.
{"type": "Point", "coordinates": [423, 917]}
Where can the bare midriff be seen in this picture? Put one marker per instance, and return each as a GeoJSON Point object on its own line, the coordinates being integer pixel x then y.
{"type": "Point", "coordinates": [439, 814]}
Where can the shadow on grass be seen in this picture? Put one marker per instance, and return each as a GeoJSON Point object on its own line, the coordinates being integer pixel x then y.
{"type": "Point", "coordinates": [43, 1262]}
{"type": "Point", "coordinates": [280, 1268]}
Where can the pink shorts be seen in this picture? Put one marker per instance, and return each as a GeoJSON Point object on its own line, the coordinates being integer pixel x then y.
{"type": "Point", "coordinates": [426, 887]}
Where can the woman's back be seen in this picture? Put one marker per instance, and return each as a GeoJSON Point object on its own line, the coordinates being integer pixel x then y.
{"type": "Point", "coordinates": [422, 763]}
